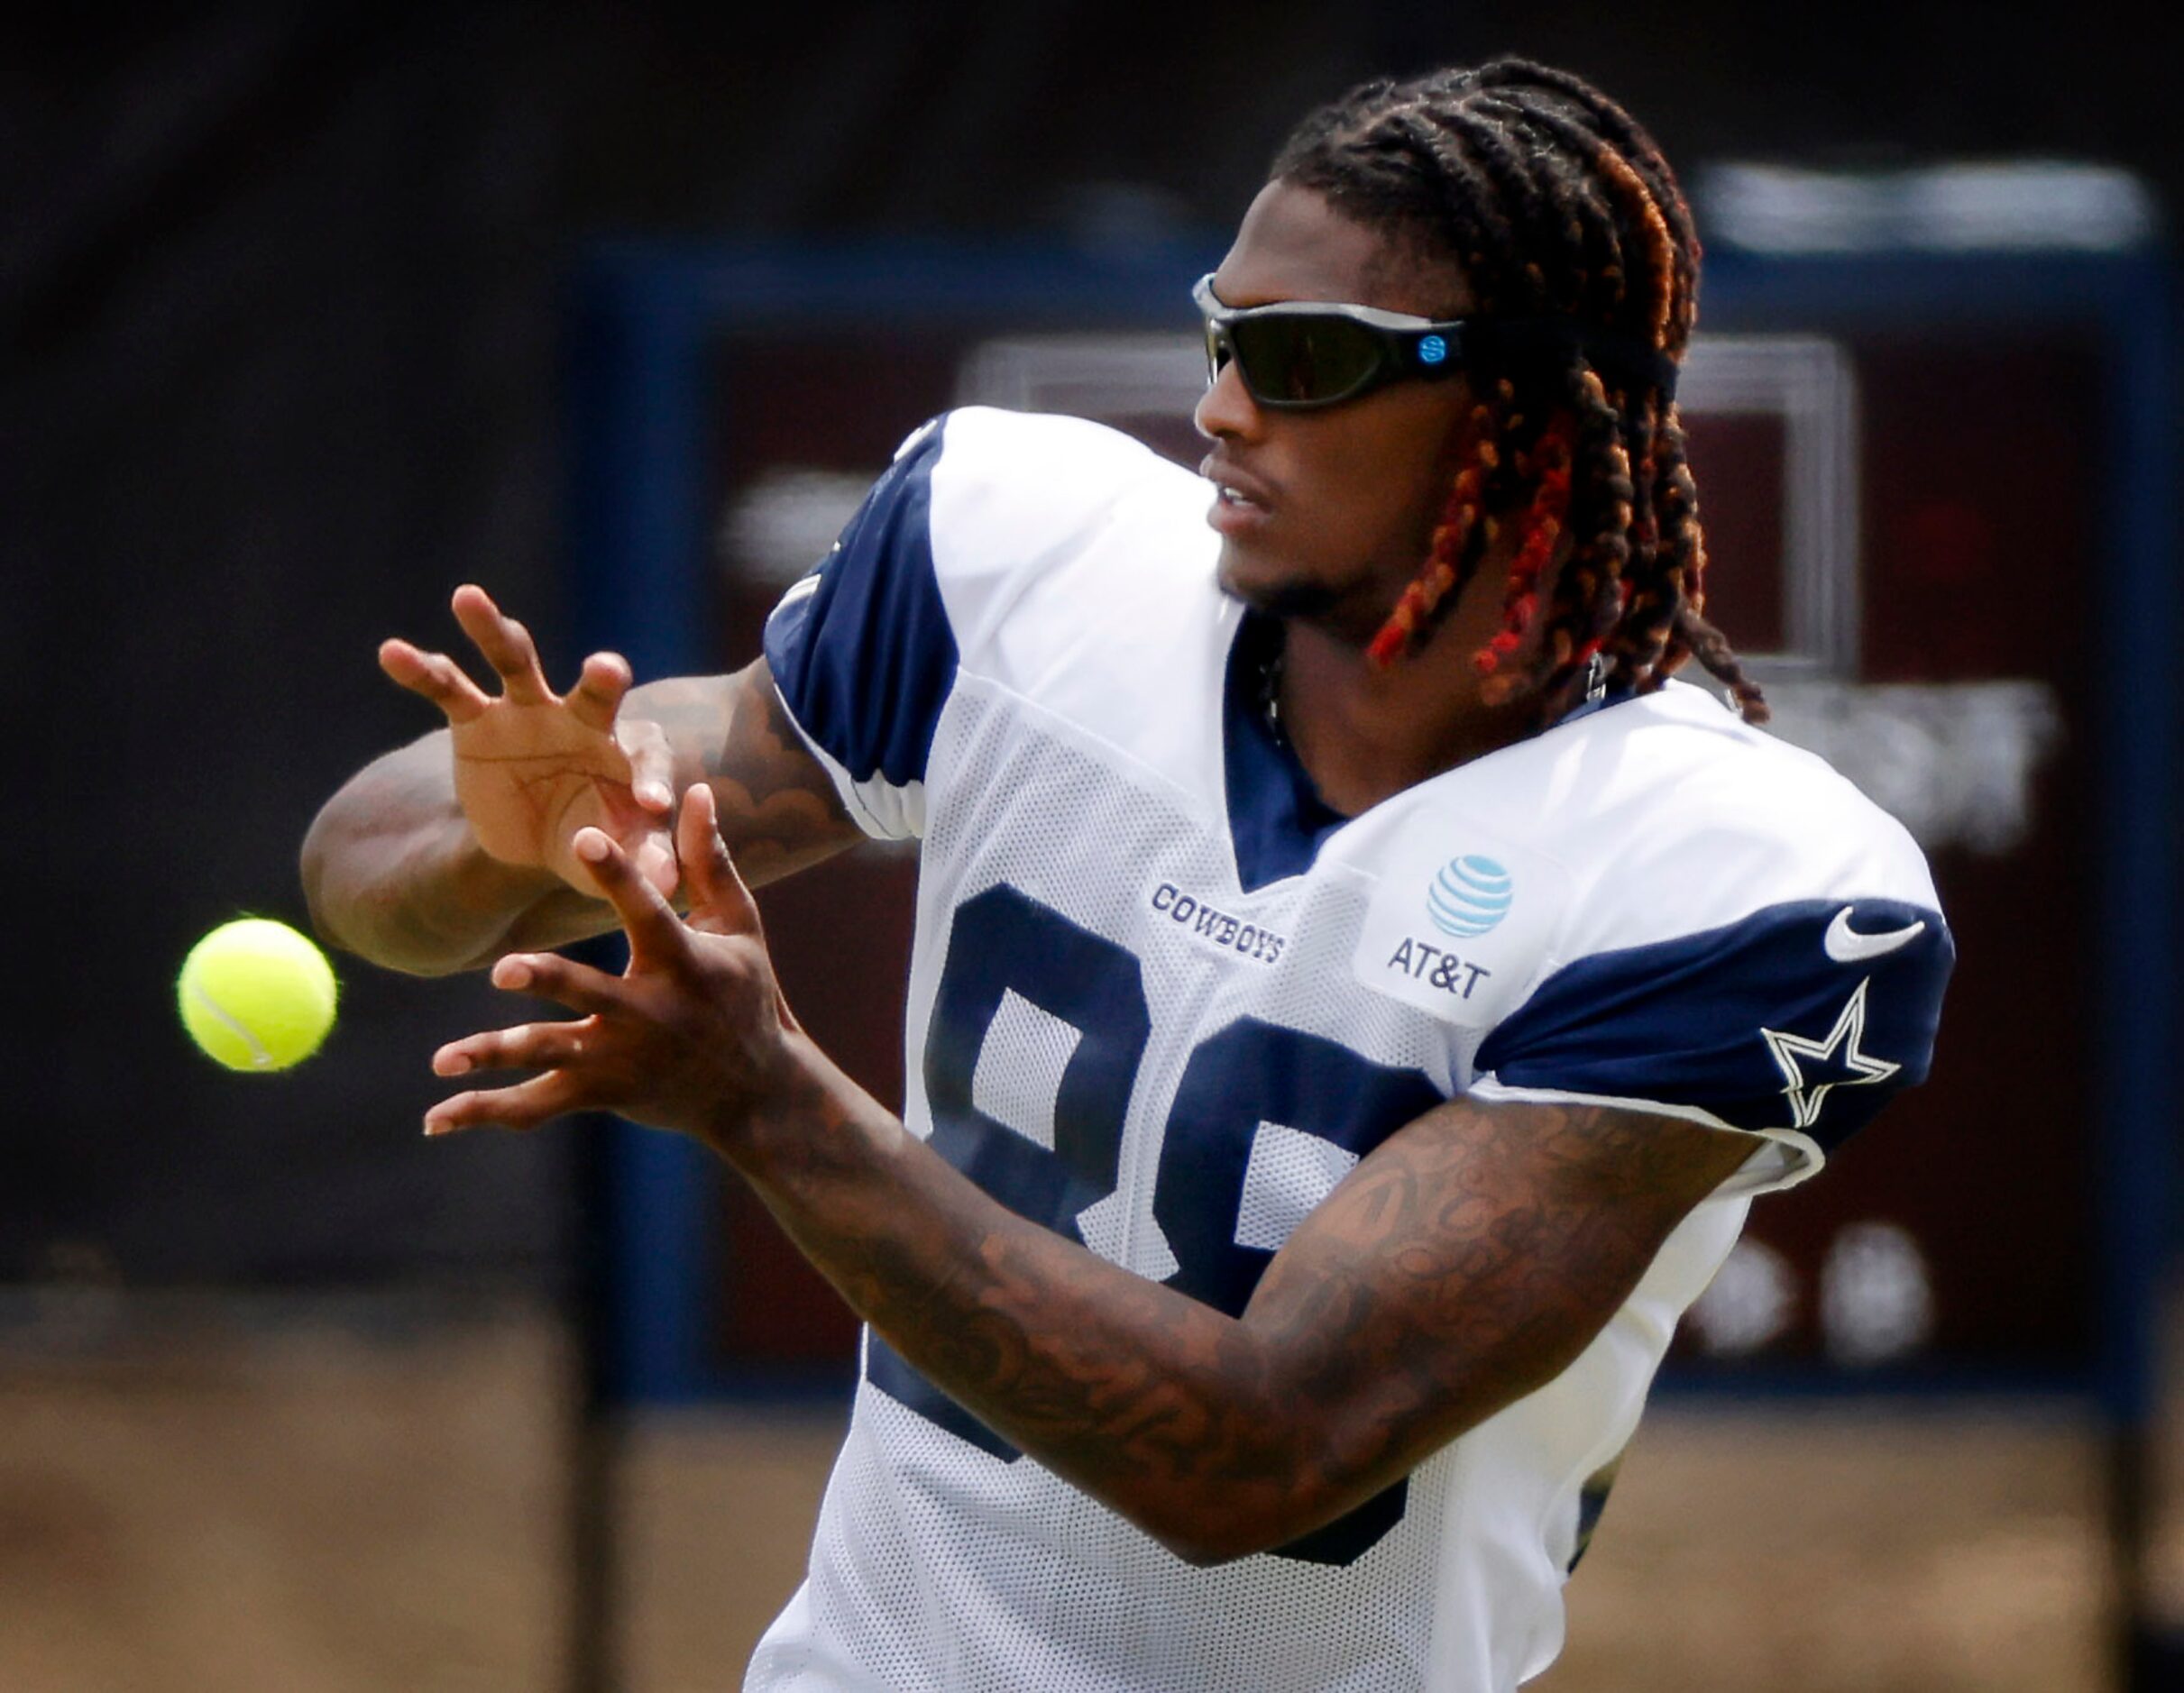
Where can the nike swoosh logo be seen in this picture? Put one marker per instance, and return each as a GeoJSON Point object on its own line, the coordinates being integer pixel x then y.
{"type": "Point", "coordinates": [1844, 945]}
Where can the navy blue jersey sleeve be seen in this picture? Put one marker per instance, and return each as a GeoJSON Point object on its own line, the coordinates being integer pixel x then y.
{"type": "Point", "coordinates": [1800, 1020]}
{"type": "Point", "coordinates": [861, 649]}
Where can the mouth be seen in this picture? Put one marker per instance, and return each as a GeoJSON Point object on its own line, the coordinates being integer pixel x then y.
{"type": "Point", "coordinates": [1241, 501]}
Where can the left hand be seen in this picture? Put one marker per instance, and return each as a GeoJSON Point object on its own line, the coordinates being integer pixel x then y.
{"type": "Point", "coordinates": [693, 1036]}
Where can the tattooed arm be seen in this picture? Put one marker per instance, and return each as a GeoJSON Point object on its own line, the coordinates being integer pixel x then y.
{"type": "Point", "coordinates": [445, 853]}
{"type": "Point", "coordinates": [1464, 1263]}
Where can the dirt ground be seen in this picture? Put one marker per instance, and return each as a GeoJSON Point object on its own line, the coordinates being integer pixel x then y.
{"type": "Point", "coordinates": [198, 1496]}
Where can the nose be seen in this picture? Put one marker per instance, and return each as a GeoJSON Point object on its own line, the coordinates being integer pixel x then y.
{"type": "Point", "coordinates": [1227, 410]}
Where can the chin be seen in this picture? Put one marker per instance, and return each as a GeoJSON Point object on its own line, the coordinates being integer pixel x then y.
{"type": "Point", "coordinates": [1277, 590]}
{"type": "Point", "coordinates": [1350, 612]}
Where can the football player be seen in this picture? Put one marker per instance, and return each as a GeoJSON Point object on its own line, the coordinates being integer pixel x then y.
{"type": "Point", "coordinates": [1357, 992]}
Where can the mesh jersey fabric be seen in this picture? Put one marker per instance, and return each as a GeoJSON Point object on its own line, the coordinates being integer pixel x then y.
{"type": "Point", "coordinates": [1159, 1004]}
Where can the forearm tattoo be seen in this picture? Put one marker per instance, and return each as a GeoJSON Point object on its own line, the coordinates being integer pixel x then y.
{"type": "Point", "coordinates": [778, 809]}
{"type": "Point", "coordinates": [1466, 1262]}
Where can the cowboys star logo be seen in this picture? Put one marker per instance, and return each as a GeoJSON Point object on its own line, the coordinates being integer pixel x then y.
{"type": "Point", "coordinates": [1812, 1068]}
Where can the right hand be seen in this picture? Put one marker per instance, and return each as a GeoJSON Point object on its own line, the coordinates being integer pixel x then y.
{"type": "Point", "coordinates": [532, 767]}
{"type": "Point", "coordinates": [694, 1035]}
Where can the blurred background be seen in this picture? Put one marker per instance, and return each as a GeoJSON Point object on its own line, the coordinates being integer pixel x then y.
{"type": "Point", "coordinates": [308, 313]}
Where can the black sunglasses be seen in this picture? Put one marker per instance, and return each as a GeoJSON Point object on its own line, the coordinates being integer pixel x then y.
{"type": "Point", "coordinates": [1301, 354]}
{"type": "Point", "coordinates": [1298, 356]}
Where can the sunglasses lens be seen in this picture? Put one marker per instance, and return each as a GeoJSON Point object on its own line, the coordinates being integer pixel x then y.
{"type": "Point", "coordinates": [1305, 360]}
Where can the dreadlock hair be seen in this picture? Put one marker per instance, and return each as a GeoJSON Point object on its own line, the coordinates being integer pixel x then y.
{"type": "Point", "coordinates": [1561, 212]}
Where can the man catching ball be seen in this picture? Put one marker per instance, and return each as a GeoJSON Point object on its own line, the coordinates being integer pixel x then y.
{"type": "Point", "coordinates": [1357, 992]}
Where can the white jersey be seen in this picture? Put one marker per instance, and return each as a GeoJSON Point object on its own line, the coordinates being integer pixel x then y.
{"type": "Point", "coordinates": [1162, 1000]}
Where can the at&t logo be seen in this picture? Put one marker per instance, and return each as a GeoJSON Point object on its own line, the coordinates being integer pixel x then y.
{"type": "Point", "coordinates": [1470, 896]}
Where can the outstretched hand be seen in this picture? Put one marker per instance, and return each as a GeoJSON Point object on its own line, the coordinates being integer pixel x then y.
{"type": "Point", "coordinates": [693, 1036]}
{"type": "Point", "coordinates": [534, 768]}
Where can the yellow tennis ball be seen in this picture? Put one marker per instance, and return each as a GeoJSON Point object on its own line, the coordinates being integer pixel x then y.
{"type": "Point", "coordinates": [256, 995]}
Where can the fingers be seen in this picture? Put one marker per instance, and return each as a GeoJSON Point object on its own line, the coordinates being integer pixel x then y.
{"type": "Point", "coordinates": [654, 859]}
{"type": "Point", "coordinates": [656, 937]}
{"type": "Point", "coordinates": [526, 1046]}
{"type": "Point", "coordinates": [598, 690]}
{"type": "Point", "coordinates": [506, 645]}
{"type": "Point", "coordinates": [720, 902]}
{"type": "Point", "coordinates": [651, 764]}
{"type": "Point", "coordinates": [525, 1105]}
{"type": "Point", "coordinates": [556, 1048]}
{"type": "Point", "coordinates": [565, 981]}
{"type": "Point", "coordinates": [435, 676]}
